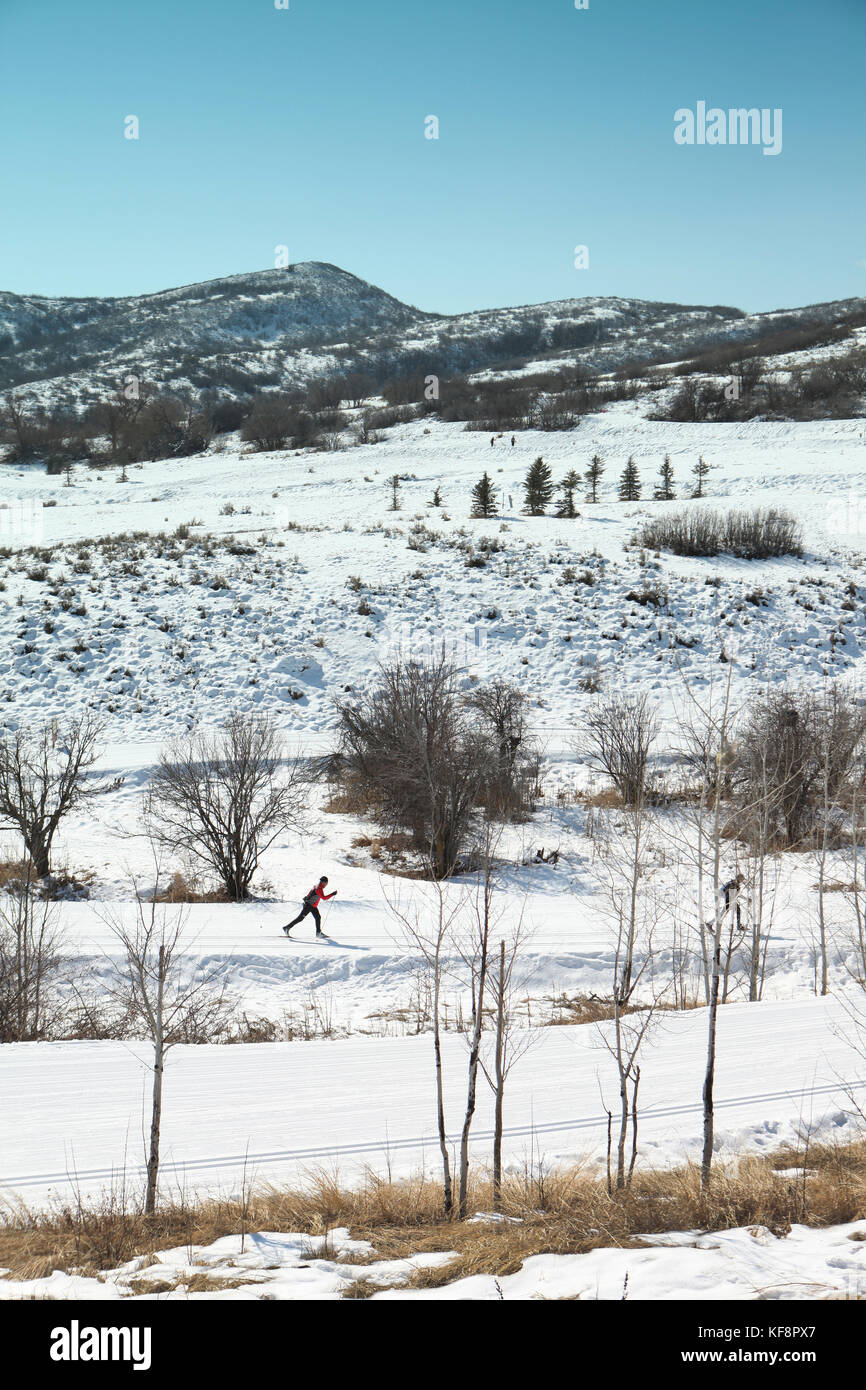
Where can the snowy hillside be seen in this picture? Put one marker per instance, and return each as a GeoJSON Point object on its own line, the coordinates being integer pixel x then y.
{"type": "Point", "coordinates": [170, 593]}
{"type": "Point", "coordinates": [256, 600]}
{"type": "Point", "coordinates": [285, 328]}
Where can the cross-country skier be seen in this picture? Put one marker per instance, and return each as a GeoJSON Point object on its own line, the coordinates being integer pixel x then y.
{"type": "Point", "coordinates": [732, 897]}
{"type": "Point", "coordinates": [311, 904]}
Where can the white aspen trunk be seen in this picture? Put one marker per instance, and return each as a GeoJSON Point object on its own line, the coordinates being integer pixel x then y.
{"type": "Point", "coordinates": [499, 1077]}
{"type": "Point", "coordinates": [156, 1107]}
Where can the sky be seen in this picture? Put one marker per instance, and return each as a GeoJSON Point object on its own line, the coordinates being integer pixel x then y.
{"type": "Point", "coordinates": [304, 127]}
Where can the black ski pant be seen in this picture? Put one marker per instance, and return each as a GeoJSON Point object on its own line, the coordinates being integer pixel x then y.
{"type": "Point", "coordinates": [305, 908]}
{"type": "Point", "coordinates": [736, 907]}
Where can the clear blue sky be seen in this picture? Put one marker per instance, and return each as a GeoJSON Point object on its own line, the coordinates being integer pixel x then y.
{"type": "Point", "coordinates": [305, 127]}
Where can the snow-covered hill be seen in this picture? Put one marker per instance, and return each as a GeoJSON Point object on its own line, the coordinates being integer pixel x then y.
{"type": "Point", "coordinates": [280, 328]}
{"type": "Point", "coordinates": [291, 578]}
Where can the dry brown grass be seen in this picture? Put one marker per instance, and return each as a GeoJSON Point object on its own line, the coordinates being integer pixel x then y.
{"type": "Point", "coordinates": [565, 1212]}
{"type": "Point", "coordinates": [590, 1008]}
{"type": "Point", "coordinates": [13, 871]}
{"type": "Point", "coordinates": [607, 799]}
{"type": "Point", "coordinates": [347, 801]}
{"type": "Point", "coordinates": [182, 889]}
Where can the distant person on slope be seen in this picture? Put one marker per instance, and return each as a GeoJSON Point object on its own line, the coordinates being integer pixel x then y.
{"type": "Point", "coordinates": [732, 897]}
{"type": "Point", "coordinates": [311, 904]}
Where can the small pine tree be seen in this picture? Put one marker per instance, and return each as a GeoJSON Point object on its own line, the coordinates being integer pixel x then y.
{"type": "Point", "coordinates": [593, 478]}
{"type": "Point", "coordinates": [567, 487]}
{"type": "Point", "coordinates": [538, 487]}
{"type": "Point", "coordinates": [665, 490]}
{"type": "Point", "coordinates": [700, 471]}
{"type": "Point", "coordinates": [484, 497]}
{"type": "Point", "coordinates": [394, 485]}
{"type": "Point", "coordinates": [629, 483]}
{"type": "Point", "coordinates": [436, 500]}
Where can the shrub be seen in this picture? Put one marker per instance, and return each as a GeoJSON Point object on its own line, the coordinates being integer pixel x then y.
{"type": "Point", "coordinates": [696, 531]}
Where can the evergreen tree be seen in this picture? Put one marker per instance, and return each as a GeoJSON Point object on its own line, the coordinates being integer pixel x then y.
{"type": "Point", "coordinates": [567, 489]}
{"type": "Point", "coordinates": [700, 471]}
{"type": "Point", "coordinates": [484, 497]}
{"type": "Point", "coordinates": [665, 490]}
{"type": "Point", "coordinates": [538, 488]}
{"type": "Point", "coordinates": [629, 483]}
{"type": "Point", "coordinates": [593, 478]}
{"type": "Point", "coordinates": [394, 485]}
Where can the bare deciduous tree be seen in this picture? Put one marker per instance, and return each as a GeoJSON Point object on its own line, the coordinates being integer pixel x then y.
{"type": "Point", "coordinates": [475, 950]}
{"type": "Point", "coordinates": [429, 926]}
{"type": "Point", "coordinates": [798, 749]}
{"type": "Point", "coordinates": [501, 709]}
{"type": "Point", "coordinates": [620, 732]}
{"type": "Point", "coordinates": [411, 752]}
{"type": "Point", "coordinates": [510, 1042]}
{"type": "Point", "coordinates": [46, 774]}
{"type": "Point", "coordinates": [162, 992]}
{"type": "Point", "coordinates": [717, 719]}
{"type": "Point", "coordinates": [29, 961]}
{"type": "Point", "coordinates": [634, 908]}
{"type": "Point", "coordinates": [224, 797]}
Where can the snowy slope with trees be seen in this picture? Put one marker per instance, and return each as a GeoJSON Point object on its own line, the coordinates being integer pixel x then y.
{"type": "Point", "coordinates": [165, 596]}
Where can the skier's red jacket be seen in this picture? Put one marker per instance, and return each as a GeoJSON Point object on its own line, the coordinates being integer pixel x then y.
{"type": "Point", "coordinates": [315, 895]}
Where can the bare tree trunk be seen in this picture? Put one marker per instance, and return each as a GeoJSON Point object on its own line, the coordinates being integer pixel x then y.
{"type": "Point", "coordinates": [633, 1126]}
{"type": "Point", "coordinates": [500, 1083]}
{"type": "Point", "coordinates": [705, 953]}
{"type": "Point", "coordinates": [156, 1108]}
{"type": "Point", "coordinates": [475, 1044]}
{"type": "Point", "coordinates": [857, 884]}
{"type": "Point", "coordinates": [822, 870]}
{"type": "Point", "coordinates": [709, 1077]}
{"type": "Point", "coordinates": [755, 971]}
{"type": "Point", "coordinates": [474, 1053]}
{"type": "Point", "coordinates": [447, 1188]}
{"type": "Point", "coordinates": [628, 964]}
{"type": "Point", "coordinates": [623, 1101]}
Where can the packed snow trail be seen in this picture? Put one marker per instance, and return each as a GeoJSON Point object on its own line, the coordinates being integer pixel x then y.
{"type": "Point", "coordinates": [276, 1111]}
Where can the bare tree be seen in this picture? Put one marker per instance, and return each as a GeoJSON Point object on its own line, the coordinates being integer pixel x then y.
{"type": "Point", "coordinates": [510, 1041]}
{"type": "Point", "coordinates": [717, 719]}
{"type": "Point", "coordinates": [429, 927]}
{"type": "Point", "coordinates": [630, 1029]}
{"type": "Point", "coordinates": [410, 751]}
{"type": "Point", "coordinates": [476, 953]}
{"type": "Point", "coordinates": [162, 993]}
{"type": "Point", "coordinates": [634, 908]}
{"type": "Point", "coordinates": [46, 774]}
{"type": "Point", "coordinates": [798, 748]}
{"type": "Point", "coordinates": [224, 797]}
{"type": "Point", "coordinates": [16, 418]}
{"type": "Point", "coordinates": [29, 960]}
{"type": "Point", "coordinates": [501, 709]}
{"type": "Point", "coordinates": [858, 798]}
{"type": "Point", "coordinates": [620, 732]}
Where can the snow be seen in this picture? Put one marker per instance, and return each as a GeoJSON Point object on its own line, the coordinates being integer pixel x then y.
{"type": "Point", "coordinates": [160, 651]}
{"type": "Point", "coordinates": [275, 1111]}
{"type": "Point", "coordinates": [739, 1264]}
{"type": "Point", "coordinates": [159, 646]}
{"type": "Point", "coordinates": [693, 1266]}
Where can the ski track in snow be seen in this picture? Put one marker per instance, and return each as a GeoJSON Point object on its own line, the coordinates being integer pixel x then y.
{"type": "Point", "coordinates": [348, 1104]}
{"type": "Point", "coordinates": [160, 650]}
